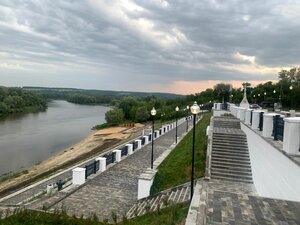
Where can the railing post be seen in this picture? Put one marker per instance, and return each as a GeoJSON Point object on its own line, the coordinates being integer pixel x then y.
{"type": "Point", "coordinates": [78, 176]}
{"type": "Point", "coordinates": [95, 166]}
{"type": "Point", "coordinates": [275, 120]}
{"type": "Point", "coordinates": [86, 172]}
{"type": "Point", "coordinates": [261, 119]}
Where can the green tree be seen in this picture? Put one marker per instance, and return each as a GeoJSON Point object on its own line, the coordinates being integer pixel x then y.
{"type": "Point", "coordinates": [142, 114]}
{"type": "Point", "coordinates": [221, 91]}
{"type": "Point", "coordinates": [114, 116]}
{"type": "Point", "coordinates": [126, 104]}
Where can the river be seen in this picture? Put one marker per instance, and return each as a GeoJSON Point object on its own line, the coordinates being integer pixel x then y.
{"type": "Point", "coordinates": [28, 139]}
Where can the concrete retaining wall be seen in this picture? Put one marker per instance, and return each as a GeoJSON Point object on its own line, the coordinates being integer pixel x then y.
{"type": "Point", "coordinates": [274, 174]}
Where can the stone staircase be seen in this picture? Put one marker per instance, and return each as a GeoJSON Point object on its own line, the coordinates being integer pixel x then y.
{"type": "Point", "coordinates": [160, 200]}
{"type": "Point", "coordinates": [230, 157]}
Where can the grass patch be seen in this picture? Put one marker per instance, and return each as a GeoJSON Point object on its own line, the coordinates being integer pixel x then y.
{"type": "Point", "coordinates": [176, 169]}
{"type": "Point", "coordinates": [173, 215]}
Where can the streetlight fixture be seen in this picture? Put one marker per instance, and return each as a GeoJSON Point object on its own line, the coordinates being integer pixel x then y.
{"type": "Point", "coordinates": [274, 91]}
{"type": "Point", "coordinates": [153, 113]}
{"type": "Point", "coordinates": [195, 109]}
{"type": "Point", "coordinates": [265, 95]}
{"type": "Point", "coordinates": [187, 120]}
{"type": "Point", "coordinates": [291, 87]}
{"type": "Point", "coordinates": [161, 116]}
{"type": "Point", "coordinates": [177, 109]}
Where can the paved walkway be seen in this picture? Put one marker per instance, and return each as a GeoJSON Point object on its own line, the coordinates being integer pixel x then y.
{"type": "Point", "coordinates": [115, 190]}
{"type": "Point", "coordinates": [237, 203]}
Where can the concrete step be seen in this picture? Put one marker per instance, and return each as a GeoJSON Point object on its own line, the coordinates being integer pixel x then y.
{"type": "Point", "coordinates": [233, 157]}
{"type": "Point", "coordinates": [225, 144]}
{"type": "Point", "coordinates": [228, 135]}
{"type": "Point", "coordinates": [152, 203]}
{"type": "Point", "coordinates": [229, 160]}
{"type": "Point", "coordinates": [232, 171]}
{"type": "Point", "coordinates": [238, 151]}
{"type": "Point", "coordinates": [238, 148]}
{"type": "Point", "coordinates": [224, 164]}
{"type": "Point", "coordinates": [231, 175]}
{"type": "Point", "coordinates": [232, 179]}
{"type": "Point", "coordinates": [225, 125]}
{"type": "Point", "coordinates": [229, 141]}
{"type": "Point", "coordinates": [234, 153]}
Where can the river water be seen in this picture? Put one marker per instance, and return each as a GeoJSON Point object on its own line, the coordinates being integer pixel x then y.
{"type": "Point", "coordinates": [28, 139]}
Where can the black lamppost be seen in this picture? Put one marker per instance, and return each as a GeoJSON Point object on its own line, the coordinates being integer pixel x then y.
{"type": "Point", "coordinates": [187, 120]}
{"type": "Point", "coordinates": [177, 109]}
{"type": "Point", "coordinates": [161, 117]}
{"type": "Point", "coordinates": [153, 113]}
{"type": "Point", "coordinates": [195, 109]}
{"type": "Point", "coordinates": [292, 102]}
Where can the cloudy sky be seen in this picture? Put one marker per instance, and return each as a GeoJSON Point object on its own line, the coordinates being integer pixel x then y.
{"type": "Point", "coordinates": [179, 46]}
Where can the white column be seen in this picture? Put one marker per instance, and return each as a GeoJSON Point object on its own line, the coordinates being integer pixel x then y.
{"type": "Point", "coordinates": [248, 116]}
{"type": "Point", "coordinates": [78, 176]}
{"type": "Point", "coordinates": [139, 144]}
{"type": "Point", "coordinates": [118, 155]}
{"type": "Point", "coordinates": [268, 124]}
{"type": "Point", "coordinates": [146, 140]}
{"type": "Point", "coordinates": [234, 111]}
{"type": "Point", "coordinates": [242, 113]}
{"type": "Point", "coordinates": [218, 106]}
{"type": "Point", "coordinates": [145, 182]}
{"type": "Point", "coordinates": [291, 136]}
{"type": "Point", "coordinates": [102, 163]}
{"type": "Point", "coordinates": [129, 148]}
{"type": "Point", "coordinates": [255, 119]}
{"type": "Point", "coordinates": [238, 112]}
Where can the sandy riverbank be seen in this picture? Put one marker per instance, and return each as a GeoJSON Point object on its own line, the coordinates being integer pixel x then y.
{"type": "Point", "coordinates": [95, 143]}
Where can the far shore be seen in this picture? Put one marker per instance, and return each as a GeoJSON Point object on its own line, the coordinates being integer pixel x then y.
{"type": "Point", "coordinates": [97, 142]}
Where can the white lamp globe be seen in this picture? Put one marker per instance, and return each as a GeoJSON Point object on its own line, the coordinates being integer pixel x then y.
{"type": "Point", "coordinates": [177, 108]}
{"type": "Point", "coordinates": [195, 109]}
{"type": "Point", "coordinates": [153, 112]}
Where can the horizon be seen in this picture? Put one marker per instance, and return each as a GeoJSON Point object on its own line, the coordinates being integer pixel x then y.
{"type": "Point", "coordinates": [146, 46]}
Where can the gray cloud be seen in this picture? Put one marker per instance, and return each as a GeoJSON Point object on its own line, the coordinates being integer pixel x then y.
{"type": "Point", "coordinates": [110, 44]}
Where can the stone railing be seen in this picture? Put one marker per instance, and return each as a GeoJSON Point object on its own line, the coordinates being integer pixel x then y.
{"type": "Point", "coordinates": [79, 174]}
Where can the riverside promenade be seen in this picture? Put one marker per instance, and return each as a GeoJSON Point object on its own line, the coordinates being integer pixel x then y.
{"type": "Point", "coordinates": [114, 190]}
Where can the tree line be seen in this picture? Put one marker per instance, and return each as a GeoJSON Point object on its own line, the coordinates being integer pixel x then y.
{"type": "Point", "coordinates": [286, 91]}
{"type": "Point", "coordinates": [16, 100]}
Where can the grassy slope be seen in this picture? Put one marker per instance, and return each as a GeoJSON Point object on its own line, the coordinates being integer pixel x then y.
{"type": "Point", "coordinates": [176, 168]}
{"type": "Point", "coordinates": [172, 215]}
